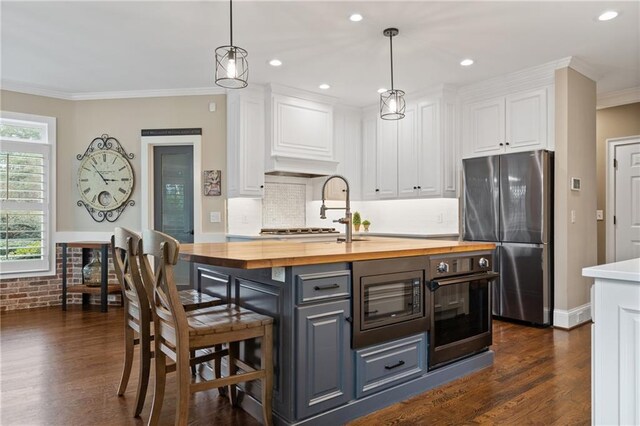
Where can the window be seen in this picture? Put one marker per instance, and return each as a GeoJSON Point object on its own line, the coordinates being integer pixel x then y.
{"type": "Point", "coordinates": [27, 195]}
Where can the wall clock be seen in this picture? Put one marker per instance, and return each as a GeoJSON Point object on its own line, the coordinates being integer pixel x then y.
{"type": "Point", "coordinates": [105, 179]}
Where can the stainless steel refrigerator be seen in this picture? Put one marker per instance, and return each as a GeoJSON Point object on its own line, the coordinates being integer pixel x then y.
{"type": "Point", "coordinates": [508, 200]}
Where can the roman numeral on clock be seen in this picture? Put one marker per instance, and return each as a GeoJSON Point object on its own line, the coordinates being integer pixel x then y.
{"type": "Point", "coordinates": [122, 190]}
{"type": "Point", "coordinates": [94, 160]}
{"type": "Point", "coordinates": [104, 158]}
{"type": "Point", "coordinates": [86, 191]}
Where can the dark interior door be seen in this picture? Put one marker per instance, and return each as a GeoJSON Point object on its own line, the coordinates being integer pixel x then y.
{"type": "Point", "coordinates": [173, 199]}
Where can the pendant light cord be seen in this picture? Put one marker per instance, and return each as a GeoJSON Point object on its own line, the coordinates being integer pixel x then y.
{"type": "Point", "coordinates": [391, 52]}
{"type": "Point", "coordinates": [231, 21]}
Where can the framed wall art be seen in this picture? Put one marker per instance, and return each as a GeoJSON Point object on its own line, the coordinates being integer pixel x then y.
{"type": "Point", "coordinates": [212, 182]}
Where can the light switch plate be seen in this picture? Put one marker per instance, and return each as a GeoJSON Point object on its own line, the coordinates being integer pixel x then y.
{"type": "Point", "coordinates": [573, 216]}
{"type": "Point", "coordinates": [214, 217]}
{"type": "Point", "coordinates": [599, 215]}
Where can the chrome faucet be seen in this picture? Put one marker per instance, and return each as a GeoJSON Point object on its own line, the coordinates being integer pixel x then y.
{"type": "Point", "coordinates": [344, 220]}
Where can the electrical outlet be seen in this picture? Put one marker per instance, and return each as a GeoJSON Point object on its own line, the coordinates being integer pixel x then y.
{"type": "Point", "coordinates": [214, 217]}
{"type": "Point", "coordinates": [599, 215]}
{"type": "Point", "coordinates": [573, 216]}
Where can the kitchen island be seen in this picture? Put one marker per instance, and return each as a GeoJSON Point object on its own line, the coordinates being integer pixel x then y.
{"type": "Point", "coordinates": [615, 342]}
{"type": "Point", "coordinates": [314, 292]}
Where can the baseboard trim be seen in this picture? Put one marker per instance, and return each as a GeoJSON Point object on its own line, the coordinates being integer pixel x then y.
{"type": "Point", "coordinates": [568, 319]}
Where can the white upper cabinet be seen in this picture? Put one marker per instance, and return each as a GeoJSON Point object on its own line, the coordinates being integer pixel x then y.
{"type": "Point", "coordinates": [526, 120]}
{"type": "Point", "coordinates": [347, 135]}
{"type": "Point", "coordinates": [430, 150]}
{"type": "Point", "coordinates": [387, 161]}
{"type": "Point", "coordinates": [408, 163]}
{"type": "Point", "coordinates": [415, 156]}
{"type": "Point", "coordinates": [369, 156]}
{"type": "Point", "coordinates": [511, 123]}
{"type": "Point", "coordinates": [300, 129]}
{"type": "Point", "coordinates": [245, 145]}
{"type": "Point", "coordinates": [485, 121]}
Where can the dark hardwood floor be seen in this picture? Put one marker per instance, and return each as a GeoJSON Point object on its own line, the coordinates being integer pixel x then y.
{"type": "Point", "coordinates": [63, 368]}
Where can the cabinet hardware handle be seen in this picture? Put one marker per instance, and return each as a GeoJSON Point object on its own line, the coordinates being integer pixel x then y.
{"type": "Point", "coordinates": [501, 144]}
{"type": "Point", "coordinates": [419, 187]}
{"type": "Point", "coordinates": [391, 367]}
{"type": "Point", "coordinates": [377, 190]}
{"type": "Point", "coordinates": [371, 312]}
{"type": "Point", "coordinates": [261, 186]}
{"type": "Point", "coordinates": [326, 287]}
{"type": "Point", "coordinates": [348, 319]}
{"type": "Point", "coordinates": [507, 143]}
{"type": "Point", "coordinates": [415, 187]}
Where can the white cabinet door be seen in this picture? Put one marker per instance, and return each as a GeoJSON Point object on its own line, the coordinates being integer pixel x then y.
{"type": "Point", "coordinates": [369, 157]}
{"type": "Point", "coordinates": [429, 147]}
{"type": "Point", "coordinates": [526, 121]}
{"type": "Point", "coordinates": [245, 148]}
{"type": "Point", "coordinates": [387, 159]}
{"type": "Point", "coordinates": [301, 128]}
{"type": "Point", "coordinates": [408, 161]}
{"type": "Point", "coordinates": [450, 151]}
{"type": "Point", "coordinates": [485, 131]}
{"type": "Point", "coordinates": [348, 148]}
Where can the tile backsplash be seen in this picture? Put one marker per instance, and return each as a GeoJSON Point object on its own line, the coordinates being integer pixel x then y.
{"type": "Point", "coordinates": [284, 205]}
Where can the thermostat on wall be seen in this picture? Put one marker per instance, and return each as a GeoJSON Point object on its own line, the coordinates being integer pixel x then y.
{"type": "Point", "coordinates": [575, 184]}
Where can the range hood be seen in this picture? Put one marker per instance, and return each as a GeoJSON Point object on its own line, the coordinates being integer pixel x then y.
{"type": "Point", "coordinates": [299, 129]}
{"type": "Point", "coordinates": [300, 167]}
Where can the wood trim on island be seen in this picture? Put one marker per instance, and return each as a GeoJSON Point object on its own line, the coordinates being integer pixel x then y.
{"type": "Point", "coordinates": [269, 254]}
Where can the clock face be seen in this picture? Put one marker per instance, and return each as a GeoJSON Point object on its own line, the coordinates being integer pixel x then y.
{"type": "Point", "coordinates": [105, 179]}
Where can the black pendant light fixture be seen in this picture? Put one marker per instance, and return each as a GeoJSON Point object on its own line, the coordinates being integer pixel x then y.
{"type": "Point", "coordinates": [232, 68]}
{"type": "Point", "coordinates": [392, 104]}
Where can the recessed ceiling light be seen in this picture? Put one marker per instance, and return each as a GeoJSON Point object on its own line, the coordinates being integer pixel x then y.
{"type": "Point", "coordinates": [356, 17]}
{"type": "Point", "coordinates": [466, 62]}
{"type": "Point", "coordinates": [324, 86]}
{"type": "Point", "coordinates": [608, 15]}
{"type": "Point", "coordinates": [275, 62]}
{"type": "Point", "coordinates": [382, 90]}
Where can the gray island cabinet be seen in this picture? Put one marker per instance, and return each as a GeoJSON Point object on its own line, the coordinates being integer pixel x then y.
{"type": "Point", "coordinates": [320, 378]}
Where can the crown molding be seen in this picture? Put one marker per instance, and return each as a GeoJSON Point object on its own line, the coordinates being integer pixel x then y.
{"type": "Point", "coordinates": [619, 97]}
{"type": "Point", "coordinates": [583, 68]}
{"type": "Point", "coordinates": [16, 86]}
{"type": "Point", "coordinates": [525, 79]}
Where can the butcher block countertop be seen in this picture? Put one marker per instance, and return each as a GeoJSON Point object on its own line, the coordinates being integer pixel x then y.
{"type": "Point", "coordinates": [269, 254]}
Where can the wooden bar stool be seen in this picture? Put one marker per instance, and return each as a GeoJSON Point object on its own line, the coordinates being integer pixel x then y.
{"type": "Point", "coordinates": [179, 333]}
{"type": "Point", "coordinates": [138, 323]}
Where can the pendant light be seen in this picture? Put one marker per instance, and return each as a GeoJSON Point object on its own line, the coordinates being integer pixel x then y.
{"type": "Point", "coordinates": [232, 68]}
{"type": "Point", "coordinates": [392, 104]}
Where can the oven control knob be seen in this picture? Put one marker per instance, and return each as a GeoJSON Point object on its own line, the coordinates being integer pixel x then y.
{"type": "Point", "coordinates": [483, 262]}
{"type": "Point", "coordinates": [442, 267]}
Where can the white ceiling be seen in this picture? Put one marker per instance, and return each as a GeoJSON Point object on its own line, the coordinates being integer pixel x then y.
{"type": "Point", "coordinates": [78, 47]}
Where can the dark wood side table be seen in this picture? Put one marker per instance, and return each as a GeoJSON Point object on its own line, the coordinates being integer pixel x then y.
{"type": "Point", "coordinates": [105, 288]}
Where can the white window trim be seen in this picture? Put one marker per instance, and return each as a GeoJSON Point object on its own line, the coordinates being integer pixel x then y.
{"type": "Point", "coordinates": [25, 270]}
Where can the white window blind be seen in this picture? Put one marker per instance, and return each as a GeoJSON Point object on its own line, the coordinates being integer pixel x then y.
{"type": "Point", "coordinates": [27, 195]}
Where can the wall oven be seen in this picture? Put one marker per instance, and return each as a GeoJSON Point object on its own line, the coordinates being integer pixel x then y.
{"type": "Point", "coordinates": [460, 306]}
{"type": "Point", "coordinates": [389, 300]}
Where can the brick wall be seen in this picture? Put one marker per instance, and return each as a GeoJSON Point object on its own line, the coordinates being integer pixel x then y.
{"type": "Point", "coordinates": [35, 292]}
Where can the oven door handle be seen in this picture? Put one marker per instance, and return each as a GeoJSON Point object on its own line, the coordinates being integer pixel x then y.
{"type": "Point", "coordinates": [435, 284]}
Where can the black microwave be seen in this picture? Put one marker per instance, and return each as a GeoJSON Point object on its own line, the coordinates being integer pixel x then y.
{"type": "Point", "coordinates": [389, 300]}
